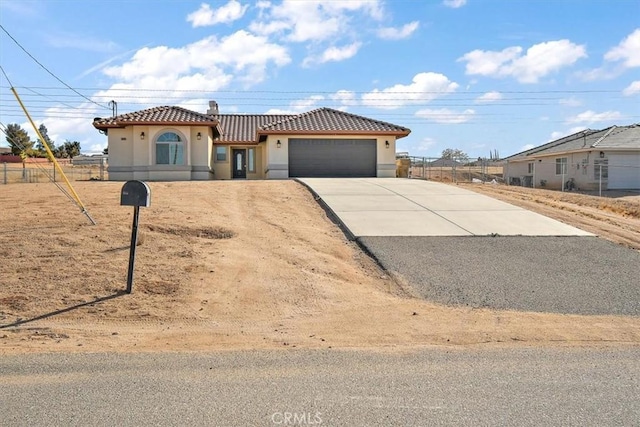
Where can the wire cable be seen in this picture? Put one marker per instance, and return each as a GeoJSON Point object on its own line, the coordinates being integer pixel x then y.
{"type": "Point", "coordinates": [46, 69]}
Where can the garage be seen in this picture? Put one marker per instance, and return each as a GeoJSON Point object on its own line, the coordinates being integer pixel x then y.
{"type": "Point", "coordinates": [337, 158]}
{"type": "Point", "coordinates": [624, 171]}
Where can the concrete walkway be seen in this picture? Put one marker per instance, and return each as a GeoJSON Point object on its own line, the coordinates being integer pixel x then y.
{"type": "Point", "coordinates": [411, 207]}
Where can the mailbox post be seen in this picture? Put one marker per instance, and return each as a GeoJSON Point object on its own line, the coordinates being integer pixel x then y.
{"type": "Point", "coordinates": [136, 194]}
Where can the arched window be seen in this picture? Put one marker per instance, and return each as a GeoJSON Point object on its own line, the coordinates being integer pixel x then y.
{"type": "Point", "coordinates": [169, 149]}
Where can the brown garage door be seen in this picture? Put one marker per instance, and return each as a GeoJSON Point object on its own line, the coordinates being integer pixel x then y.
{"type": "Point", "coordinates": [323, 158]}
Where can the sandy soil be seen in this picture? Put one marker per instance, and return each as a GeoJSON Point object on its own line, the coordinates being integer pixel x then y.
{"type": "Point", "coordinates": [225, 265]}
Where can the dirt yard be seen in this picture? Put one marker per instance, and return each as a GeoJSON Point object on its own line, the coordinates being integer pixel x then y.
{"type": "Point", "coordinates": [230, 265]}
{"type": "Point", "coordinates": [615, 216]}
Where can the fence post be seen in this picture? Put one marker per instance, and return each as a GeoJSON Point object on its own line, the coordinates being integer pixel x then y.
{"type": "Point", "coordinates": [54, 172]}
{"type": "Point", "coordinates": [600, 181]}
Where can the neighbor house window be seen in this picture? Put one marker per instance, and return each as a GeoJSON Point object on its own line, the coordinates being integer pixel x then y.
{"type": "Point", "coordinates": [561, 166]}
{"type": "Point", "coordinates": [530, 168]}
{"type": "Point", "coordinates": [221, 154]}
{"type": "Point", "coordinates": [252, 160]}
{"type": "Point", "coordinates": [601, 169]}
{"type": "Point", "coordinates": [169, 149]}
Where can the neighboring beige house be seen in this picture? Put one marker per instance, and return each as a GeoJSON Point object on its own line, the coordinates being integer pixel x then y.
{"type": "Point", "coordinates": [172, 143]}
{"type": "Point", "coordinates": [589, 160]}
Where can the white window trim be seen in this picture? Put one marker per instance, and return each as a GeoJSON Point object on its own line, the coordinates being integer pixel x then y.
{"type": "Point", "coordinates": [226, 154]}
{"type": "Point", "coordinates": [566, 166]}
{"type": "Point", "coordinates": [185, 148]}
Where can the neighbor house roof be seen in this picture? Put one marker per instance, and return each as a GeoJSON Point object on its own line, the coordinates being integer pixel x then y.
{"type": "Point", "coordinates": [247, 128]}
{"type": "Point", "coordinates": [166, 115]}
{"type": "Point", "coordinates": [614, 137]}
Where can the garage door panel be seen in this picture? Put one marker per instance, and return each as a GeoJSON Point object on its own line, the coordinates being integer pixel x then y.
{"type": "Point", "coordinates": [624, 171]}
{"type": "Point", "coordinates": [321, 158]}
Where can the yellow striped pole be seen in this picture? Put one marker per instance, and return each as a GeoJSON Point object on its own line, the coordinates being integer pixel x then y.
{"type": "Point", "coordinates": [53, 159]}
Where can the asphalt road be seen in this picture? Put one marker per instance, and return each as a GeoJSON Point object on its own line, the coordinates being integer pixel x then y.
{"type": "Point", "coordinates": [374, 388]}
{"type": "Point", "coordinates": [573, 275]}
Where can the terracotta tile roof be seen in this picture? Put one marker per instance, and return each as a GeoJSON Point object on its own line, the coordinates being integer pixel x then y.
{"type": "Point", "coordinates": [328, 120]}
{"type": "Point", "coordinates": [244, 127]}
{"type": "Point", "coordinates": [247, 128]}
{"type": "Point", "coordinates": [157, 115]}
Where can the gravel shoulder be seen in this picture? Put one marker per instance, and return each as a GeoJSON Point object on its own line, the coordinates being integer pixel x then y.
{"type": "Point", "coordinates": [571, 275]}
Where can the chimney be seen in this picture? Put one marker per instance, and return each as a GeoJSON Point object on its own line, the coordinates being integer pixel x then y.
{"type": "Point", "coordinates": [213, 108]}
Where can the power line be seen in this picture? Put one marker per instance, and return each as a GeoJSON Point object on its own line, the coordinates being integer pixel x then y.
{"type": "Point", "coordinates": [333, 92]}
{"type": "Point", "coordinates": [45, 68]}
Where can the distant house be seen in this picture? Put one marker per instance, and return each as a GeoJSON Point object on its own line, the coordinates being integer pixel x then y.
{"type": "Point", "coordinates": [586, 160]}
{"type": "Point", "coordinates": [5, 150]}
{"type": "Point", "coordinates": [172, 143]}
{"type": "Point", "coordinates": [442, 162]}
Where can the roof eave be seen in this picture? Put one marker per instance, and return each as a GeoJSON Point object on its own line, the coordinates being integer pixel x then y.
{"type": "Point", "coordinates": [399, 134]}
{"type": "Point", "coordinates": [566, 152]}
{"type": "Point", "coordinates": [120, 124]}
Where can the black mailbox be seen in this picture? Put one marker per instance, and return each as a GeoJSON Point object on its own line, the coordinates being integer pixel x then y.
{"type": "Point", "coordinates": [135, 193]}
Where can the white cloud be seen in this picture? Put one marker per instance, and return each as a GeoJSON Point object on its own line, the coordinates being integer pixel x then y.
{"type": "Point", "coordinates": [527, 147]}
{"type": "Point", "coordinates": [590, 116]}
{"type": "Point", "coordinates": [282, 112]}
{"type": "Point", "coordinates": [632, 89]}
{"type": "Point", "coordinates": [346, 98]}
{"type": "Point", "coordinates": [454, 3]}
{"type": "Point", "coordinates": [628, 51]}
{"type": "Point", "coordinates": [306, 104]}
{"type": "Point", "coordinates": [488, 97]}
{"type": "Point", "coordinates": [333, 54]}
{"type": "Point", "coordinates": [391, 33]}
{"type": "Point", "coordinates": [423, 88]}
{"type": "Point", "coordinates": [445, 115]}
{"type": "Point", "coordinates": [425, 144]}
{"type": "Point", "coordinates": [67, 123]}
{"type": "Point", "coordinates": [539, 60]}
{"type": "Point", "coordinates": [570, 102]}
{"type": "Point", "coordinates": [314, 20]}
{"type": "Point", "coordinates": [206, 16]}
{"type": "Point", "coordinates": [557, 134]}
{"type": "Point", "coordinates": [299, 106]}
{"type": "Point", "coordinates": [421, 148]}
{"type": "Point", "coordinates": [207, 64]}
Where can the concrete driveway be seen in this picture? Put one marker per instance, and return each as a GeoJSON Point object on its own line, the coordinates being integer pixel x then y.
{"type": "Point", "coordinates": [457, 247]}
{"type": "Point", "coordinates": [408, 207]}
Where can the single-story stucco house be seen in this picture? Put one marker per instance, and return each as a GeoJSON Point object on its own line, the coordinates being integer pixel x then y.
{"type": "Point", "coordinates": [172, 143]}
{"type": "Point", "coordinates": [587, 160]}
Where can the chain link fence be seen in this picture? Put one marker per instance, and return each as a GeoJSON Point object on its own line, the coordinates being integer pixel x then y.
{"type": "Point", "coordinates": [450, 170]}
{"type": "Point", "coordinates": [15, 173]}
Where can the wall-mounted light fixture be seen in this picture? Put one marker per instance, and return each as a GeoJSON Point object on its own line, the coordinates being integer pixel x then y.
{"type": "Point", "coordinates": [199, 136]}
{"type": "Point", "coordinates": [278, 144]}
{"type": "Point", "coordinates": [141, 135]}
{"type": "Point", "coordinates": [386, 144]}
{"type": "Point", "coordinates": [602, 154]}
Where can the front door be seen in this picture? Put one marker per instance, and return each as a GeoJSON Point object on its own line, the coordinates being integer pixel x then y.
{"type": "Point", "coordinates": [239, 163]}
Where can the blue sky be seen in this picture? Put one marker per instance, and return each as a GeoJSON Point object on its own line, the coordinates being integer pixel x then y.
{"type": "Point", "coordinates": [477, 75]}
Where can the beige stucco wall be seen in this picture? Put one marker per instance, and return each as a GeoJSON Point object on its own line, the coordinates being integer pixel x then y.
{"type": "Point", "coordinates": [276, 161]}
{"type": "Point", "coordinates": [580, 167]}
{"type": "Point", "coordinates": [132, 157]}
{"type": "Point", "coordinates": [223, 170]}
